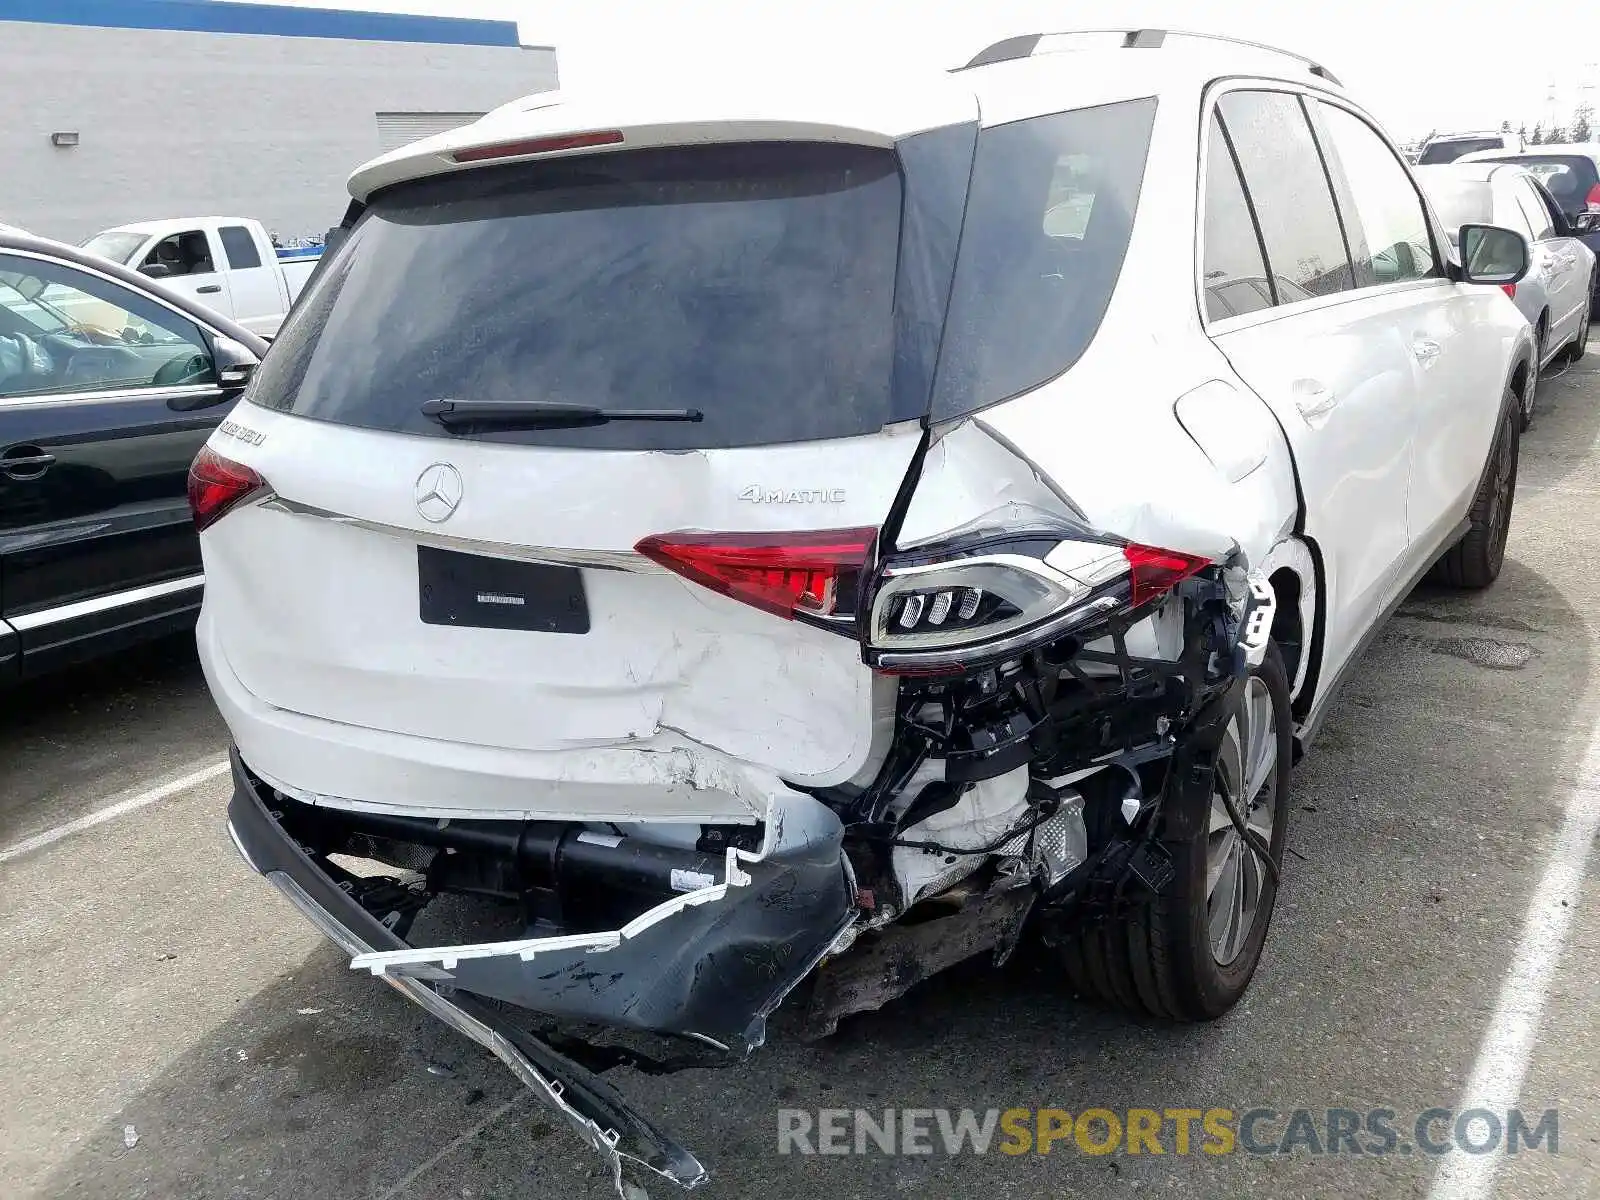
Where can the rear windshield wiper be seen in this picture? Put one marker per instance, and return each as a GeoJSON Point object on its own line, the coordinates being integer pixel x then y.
{"type": "Point", "coordinates": [543, 414]}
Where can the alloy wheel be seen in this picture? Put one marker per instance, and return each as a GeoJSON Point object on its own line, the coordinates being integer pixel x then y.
{"type": "Point", "coordinates": [1247, 773]}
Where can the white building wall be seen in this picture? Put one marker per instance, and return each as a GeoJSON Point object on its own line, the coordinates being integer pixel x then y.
{"type": "Point", "coordinates": [178, 123]}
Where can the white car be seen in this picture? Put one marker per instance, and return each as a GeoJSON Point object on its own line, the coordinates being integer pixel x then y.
{"type": "Point", "coordinates": [228, 264]}
{"type": "Point", "coordinates": [774, 550]}
{"type": "Point", "coordinates": [1555, 294]}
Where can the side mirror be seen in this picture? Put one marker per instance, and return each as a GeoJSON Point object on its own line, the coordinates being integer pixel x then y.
{"type": "Point", "coordinates": [235, 364]}
{"type": "Point", "coordinates": [156, 270]}
{"type": "Point", "coordinates": [1490, 254]}
{"type": "Point", "coordinates": [1586, 222]}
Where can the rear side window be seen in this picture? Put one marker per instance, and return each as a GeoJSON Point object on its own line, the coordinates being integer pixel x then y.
{"type": "Point", "coordinates": [1048, 220]}
{"type": "Point", "coordinates": [753, 283]}
{"type": "Point", "coordinates": [1234, 271]}
{"type": "Point", "coordinates": [240, 247]}
{"type": "Point", "coordinates": [1385, 222]}
{"type": "Point", "coordinates": [1288, 185]}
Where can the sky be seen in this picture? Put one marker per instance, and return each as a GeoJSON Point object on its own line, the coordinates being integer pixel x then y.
{"type": "Point", "coordinates": [1417, 65]}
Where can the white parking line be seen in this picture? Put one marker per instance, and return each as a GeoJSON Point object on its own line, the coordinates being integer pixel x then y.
{"type": "Point", "coordinates": [111, 811]}
{"type": "Point", "coordinates": [423, 1168]}
{"type": "Point", "coordinates": [1507, 1045]}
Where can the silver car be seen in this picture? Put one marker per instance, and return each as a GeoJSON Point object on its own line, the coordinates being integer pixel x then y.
{"type": "Point", "coordinates": [1555, 293]}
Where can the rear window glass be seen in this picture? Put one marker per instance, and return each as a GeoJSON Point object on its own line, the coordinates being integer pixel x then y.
{"type": "Point", "coordinates": [1569, 177]}
{"type": "Point", "coordinates": [1048, 220]}
{"type": "Point", "coordinates": [1449, 151]}
{"type": "Point", "coordinates": [753, 283]}
{"type": "Point", "coordinates": [1461, 202]}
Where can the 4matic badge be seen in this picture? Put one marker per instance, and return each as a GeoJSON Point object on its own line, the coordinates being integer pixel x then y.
{"type": "Point", "coordinates": [757, 494]}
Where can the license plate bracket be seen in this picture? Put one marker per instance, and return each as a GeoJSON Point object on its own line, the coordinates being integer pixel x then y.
{"type": "Point", "coordinates": [471, 591]}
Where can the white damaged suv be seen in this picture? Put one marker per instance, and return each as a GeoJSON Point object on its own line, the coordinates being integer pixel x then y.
{"type": "Point", "coordinates": [764, 544]}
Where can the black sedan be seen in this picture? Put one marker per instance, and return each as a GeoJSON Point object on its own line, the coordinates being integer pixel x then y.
{"type": "Point", "coordinates": [109, 385]}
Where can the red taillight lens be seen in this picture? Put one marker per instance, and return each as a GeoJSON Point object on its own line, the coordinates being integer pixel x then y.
{"type": "Point", "coordinates": [549, 145]}
{"type": "Point", "coordinates": [781, 573]}
{"type": "Point", "coordinates": [1592, 200]}
{"type": "Point", "coordinates": [217, 485]}
{"type": "Point", "coordinates": [1154, 571]}
{"type": "Point", "coordinates": [1509, 289]}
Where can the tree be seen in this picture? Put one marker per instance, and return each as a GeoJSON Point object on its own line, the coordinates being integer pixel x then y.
{"type": "Point", "coordinates": [1582, 123]}
{"type": "Point", "coordinates": [1522, 131]}
{"type": "Point", "coordinates": [1555, 136]}
{"type": "Point", "coordinates": [1505, 126]}
{"type": "Point", "coordinates": [1538, 135]}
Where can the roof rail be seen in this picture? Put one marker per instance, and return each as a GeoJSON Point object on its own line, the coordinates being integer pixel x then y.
{"type": "Point", "coordinates": [1024, 45]}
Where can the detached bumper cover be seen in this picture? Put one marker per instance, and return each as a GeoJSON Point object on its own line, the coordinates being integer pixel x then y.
{"type": "Point", "coordinates": [713, 971]}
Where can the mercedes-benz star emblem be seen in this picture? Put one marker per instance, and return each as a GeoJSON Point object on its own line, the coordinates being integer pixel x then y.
{"type": "Point", "coordinates": [438, 492]}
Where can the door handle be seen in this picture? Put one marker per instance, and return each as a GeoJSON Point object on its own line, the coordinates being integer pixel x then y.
{"type": "Point", "coordinates": [25, 462]}
{"type": "Point", "coordinates": [1313, 398]}
{"type": "Point", "coordinates": [210, 289]}
{"type": "Point", "coordinates": [1426, 351]}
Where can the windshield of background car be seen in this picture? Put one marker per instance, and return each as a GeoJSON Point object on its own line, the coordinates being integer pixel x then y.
{"type": "Point", "coordinates": [1048, 220]}
{"type": "Point", "coordinates": [118, 247]}
{"type": "Point", "coordinates": [754, 283]}
{"type": "Point", "coordinates": [1449, 151]}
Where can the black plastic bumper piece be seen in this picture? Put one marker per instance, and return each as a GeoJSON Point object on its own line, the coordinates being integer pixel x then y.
{"type": "Point", "coordinates": [594, 1109]}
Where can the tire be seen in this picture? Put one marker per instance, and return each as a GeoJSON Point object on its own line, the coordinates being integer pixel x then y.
{"type": "Point", "coordinates": [1163, 960]}
{"type": "Point", "coordinates": [1579, 345]}
{"type": "Point", "coordinates": [1530, 396]}
{"type": "Point", "coordinates": [1475, 561]}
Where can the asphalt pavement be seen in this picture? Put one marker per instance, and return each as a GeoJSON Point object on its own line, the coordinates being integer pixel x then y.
{"type": "Point", "coordinates": [170, 1028]}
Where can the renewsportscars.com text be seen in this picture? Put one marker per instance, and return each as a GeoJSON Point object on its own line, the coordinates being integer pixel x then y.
{"type": "Point", "coordinates": [1179, 1131]}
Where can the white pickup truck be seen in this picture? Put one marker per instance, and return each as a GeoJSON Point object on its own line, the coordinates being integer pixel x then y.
{"type": "Point", "coordinates": [226, 263]}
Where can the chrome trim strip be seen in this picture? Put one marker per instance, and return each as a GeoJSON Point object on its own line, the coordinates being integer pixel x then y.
{"type": "Point", "coordinates": [86, 608]}
{"type": "Point", "coordinates": [602, 560]}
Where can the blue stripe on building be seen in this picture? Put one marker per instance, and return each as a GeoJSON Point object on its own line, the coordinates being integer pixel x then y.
{"type": "Point", "coordinates": [209, 16]}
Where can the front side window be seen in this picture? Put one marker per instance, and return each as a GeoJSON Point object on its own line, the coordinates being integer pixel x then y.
{"type": "Point", "coordinates": [63, 330]}
{"type": "Point", "coordinates": [1049, 216]}
{"type": "Point", "coordinates": [182, 254]}
{"type": "Point", "coordinates": [1289, 189]}
{"type": "Point", "coordinates": [1234, 272]}
{"type": "Point", "coordinates": [1388, 231]}
{"type": "Point", "coordinates": [240, 247]}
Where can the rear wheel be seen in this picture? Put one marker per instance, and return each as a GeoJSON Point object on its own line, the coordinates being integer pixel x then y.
{"type": "Point", "coordinates": [1190, 954]}
{"type": "Point", "coordinates": [1577, 347]}
{"type": "Point", "coordinates": [1530, 394]}
{"type": "Point", "coordinates": [1475, 561]}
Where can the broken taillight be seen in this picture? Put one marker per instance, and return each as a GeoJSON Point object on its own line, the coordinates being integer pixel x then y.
{"type": "Point", "coordinates": [217, 485]}
{"type": "Point", "coordinates": [1154, 572]}
{"type": "Point", "coordinates": [787, 574]}
{"type": "Point", "coordinates": [972, 603]}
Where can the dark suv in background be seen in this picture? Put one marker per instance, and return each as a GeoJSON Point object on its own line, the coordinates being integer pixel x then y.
{"type": "Point", "coordinates": [109, 386]}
